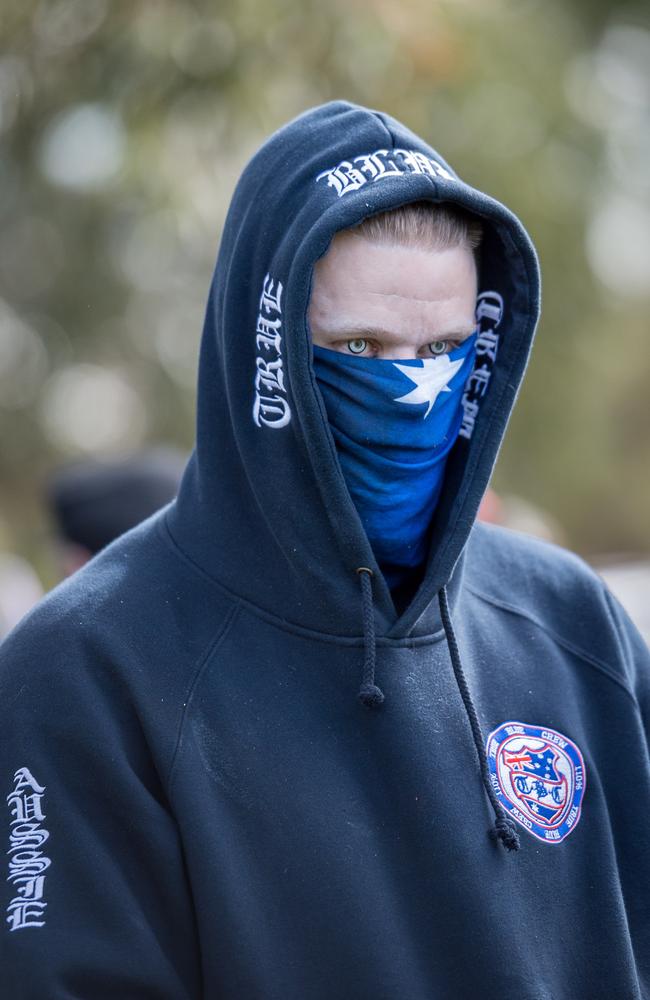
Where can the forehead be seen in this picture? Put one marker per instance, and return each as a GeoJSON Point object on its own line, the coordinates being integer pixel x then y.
{"type": "Point", "coordinates": [352, 258]}
{"type": "Point", "coordinates": [408, 283]}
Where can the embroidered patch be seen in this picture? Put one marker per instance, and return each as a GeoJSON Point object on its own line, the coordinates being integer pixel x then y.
{"type": "Point", "coordinates": [271, 407]}
{"type": "Point", "coordinates": [27, 863]}
{"type": "Point", "coordinates": [539, 777]}
{"type": "Point", "coordinates": [489, 313]}
{"type": "Point", "coordinates": [350, 175]}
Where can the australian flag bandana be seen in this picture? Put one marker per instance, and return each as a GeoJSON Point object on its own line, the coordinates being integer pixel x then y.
{"type": "Point", "coordinates": [394, 423]}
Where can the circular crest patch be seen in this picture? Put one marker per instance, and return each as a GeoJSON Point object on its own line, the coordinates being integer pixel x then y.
{"type": "Point", "coordinates": [539, 777]}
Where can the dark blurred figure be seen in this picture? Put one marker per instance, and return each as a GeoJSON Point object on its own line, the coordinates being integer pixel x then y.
{"type": "Point", "coordinates": [93, 502]}
{"type": "Point", "coordinates": [20, 589]}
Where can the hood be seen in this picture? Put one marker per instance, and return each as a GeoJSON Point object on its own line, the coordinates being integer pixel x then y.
{"type": "Point", "coordinates": [263, 508]}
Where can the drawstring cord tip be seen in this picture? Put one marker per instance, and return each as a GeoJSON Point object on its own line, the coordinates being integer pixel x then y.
{"type": "Point", "coordinates": [505, 830]}
{"type": "Point", "coordinates": [371, 696]}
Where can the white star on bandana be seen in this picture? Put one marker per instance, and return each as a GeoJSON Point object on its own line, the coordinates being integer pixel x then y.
{"type": "Point", "coordinates": [430, 380]}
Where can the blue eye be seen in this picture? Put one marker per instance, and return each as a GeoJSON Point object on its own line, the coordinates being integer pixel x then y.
{"type": "Point", "coordinates": [357, 346]}
{"type": "Point", "coordinates": [438, 347]}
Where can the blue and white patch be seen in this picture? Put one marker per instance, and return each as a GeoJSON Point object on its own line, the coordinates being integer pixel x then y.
{"type": "Point", "coordinates": [539, 777]}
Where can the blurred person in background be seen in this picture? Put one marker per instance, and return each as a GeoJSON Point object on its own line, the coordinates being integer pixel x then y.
{"type": "Point", "coordinates": [20, 589]}
{"type": "Point", "coordinates": [94, 502]}
{"type": "Point", "coordinates": [314, 731]}
{"type": "Point", "coordinates": [91, 503]}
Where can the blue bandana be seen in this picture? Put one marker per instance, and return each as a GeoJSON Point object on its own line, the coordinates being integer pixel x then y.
{"type": "Point", "coordinates": [394, 423]}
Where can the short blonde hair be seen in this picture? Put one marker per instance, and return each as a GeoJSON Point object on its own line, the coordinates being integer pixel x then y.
{"type": "Point", "coordinates": [431, 225]}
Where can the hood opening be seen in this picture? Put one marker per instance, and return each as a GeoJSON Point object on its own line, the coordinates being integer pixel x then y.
{"type": "Point", "coordinates": [264, 477]}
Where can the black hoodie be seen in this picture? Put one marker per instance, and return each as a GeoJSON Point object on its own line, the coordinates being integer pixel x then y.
{"type": "Point", "coordinates": [199, 803]}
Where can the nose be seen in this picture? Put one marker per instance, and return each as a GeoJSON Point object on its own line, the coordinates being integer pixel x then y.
{"type": "Point", "coordinates": [399, 352]}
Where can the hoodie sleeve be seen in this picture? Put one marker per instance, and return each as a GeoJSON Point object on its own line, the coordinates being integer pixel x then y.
{"type": "Point", "coordinates": [96, 900]}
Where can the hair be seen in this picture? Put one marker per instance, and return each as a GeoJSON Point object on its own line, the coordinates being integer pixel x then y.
{"type": "Point", "coordinates": [425, 224]}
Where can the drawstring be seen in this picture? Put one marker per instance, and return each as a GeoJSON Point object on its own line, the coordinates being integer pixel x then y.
{"type": "Point", "coordinates": [504, 828]}
{"type": "Point", "coordinates": [372, 697]}
{"type": "Point", "coordinates": [369, 694]}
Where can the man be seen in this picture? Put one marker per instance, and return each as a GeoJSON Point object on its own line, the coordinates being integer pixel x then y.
{"type": "Point", "coordinates": [199, 803]}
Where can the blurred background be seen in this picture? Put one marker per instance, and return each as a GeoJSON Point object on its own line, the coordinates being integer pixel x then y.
{"type": "Point", "coordinates": [124, 127]}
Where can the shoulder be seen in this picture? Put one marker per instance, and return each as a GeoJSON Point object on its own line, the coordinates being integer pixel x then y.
{"type": "Point", "coordinates": [510, 559]}
{"type": "Point", "coordinates": [108, 657]}
{"type": "Point", "coordinates": [138, 611]}
{"type": "Point", "coordinates": [555, 590]}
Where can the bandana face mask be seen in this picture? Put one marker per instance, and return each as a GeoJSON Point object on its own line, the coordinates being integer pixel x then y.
{"type": "Point", "coordinates": [394, 423]}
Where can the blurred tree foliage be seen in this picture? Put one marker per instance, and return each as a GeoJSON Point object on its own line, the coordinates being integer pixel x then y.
{"type": "Point", "coordinates": [123, 129]}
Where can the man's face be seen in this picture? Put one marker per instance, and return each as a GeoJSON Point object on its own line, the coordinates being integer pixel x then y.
{"type": "Point", "coordinates": [393, 302]}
